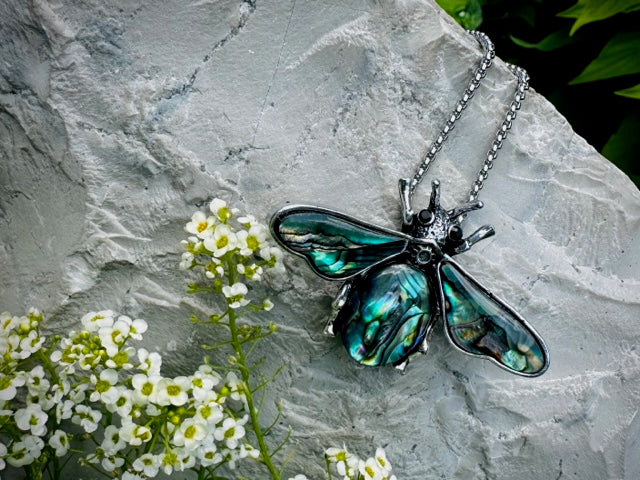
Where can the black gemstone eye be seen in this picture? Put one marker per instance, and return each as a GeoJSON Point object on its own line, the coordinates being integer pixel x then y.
{"type": "Point", "coordinates": [425, 217]}
{"type": "Point", "coordinates": [455, 233]}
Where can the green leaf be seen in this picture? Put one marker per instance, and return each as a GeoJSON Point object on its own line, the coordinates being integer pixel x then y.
{"type": "Point", "coordinates": [587, 11]}
{"type": "Point", "coordinates": [468, 13]}
{"type": "Point", "coordinates": [620, 56]}
{"type": "Point", "coordinates": [623, 147]}
{"type": "Point", "coordinates": [551, 42]}
{"type": "Point", "coordinates": [632, 92]}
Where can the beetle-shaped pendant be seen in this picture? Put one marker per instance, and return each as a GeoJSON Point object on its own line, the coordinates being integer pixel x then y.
{"type": "Point", "coordinates": [398, 284]}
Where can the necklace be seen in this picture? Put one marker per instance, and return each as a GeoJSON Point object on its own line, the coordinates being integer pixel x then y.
{"type": "Point", "coordinates": [397, 285]}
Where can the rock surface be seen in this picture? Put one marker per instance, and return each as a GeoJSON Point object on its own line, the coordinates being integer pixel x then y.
{"type": "Point", "coordinates": [118, 119]}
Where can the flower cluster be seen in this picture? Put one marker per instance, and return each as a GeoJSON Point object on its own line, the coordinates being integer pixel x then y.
{"type": "Point", "coordinates": [141, 422]}
{"type": "Point", "coordinates": [232, 249]}
{"type": "Point", "coordinates": [349, 467]}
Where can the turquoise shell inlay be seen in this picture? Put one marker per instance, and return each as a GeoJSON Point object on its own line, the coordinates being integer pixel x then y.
{"type": "Point", "coordinates": [386, 315]}
{"type": "Point", "coordinates": [479, 324]}
{"type": "Point", "coordinates": [336, 247]}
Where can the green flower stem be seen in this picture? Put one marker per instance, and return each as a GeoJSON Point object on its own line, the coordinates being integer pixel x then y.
{"type": "Point", "coordinates": [244, 372]}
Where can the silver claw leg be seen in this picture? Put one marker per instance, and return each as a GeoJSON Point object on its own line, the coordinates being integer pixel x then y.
{"type": "Point", "coordinates": [483, 232]}
{"type": "Point", "coordinates": [464, 208]}
{"type": "Point", "coordinates": [336, 306]}
{"type": "Point", "coordinates": [405, 199]}
{"type": "Point", "coordinates": [402, 367]}
{"type": "Point", "coordinates": [434, 200]}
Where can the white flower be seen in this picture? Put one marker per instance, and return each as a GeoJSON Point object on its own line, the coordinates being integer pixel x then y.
{"type": "Point", "coordinates": [36, 381]}
{"type": "Point", "coordinates": [252, 240]}
{"type": "Point", "coordinates": [381, 459]}
{"type": "Point", "coordinates": [112, 442]}
{"type": "Point", "coordinates": [210, 412]}
{"type": "Point", "coordinates": [299, 477]}
{"type": "Point", "coordinates": [168, 461]}
{"type": "Point", "coordinates": [208, 454]}
{"type": "Point", "coordinates": [346, 463]}
{"type": "Point", "coordinates": [7, 324]}
{"type": "Point", "coordinates": [222, 241]}
{"type": "Point", "coordinates": [30, 344]}
{"type": "Point", "coordinates": [134, 434]}
{"type": "Point", "coordinates": [148, 464]}
{"type": "Point", "coordinates": [247, 450]}
{"type": "Point", "coordinates": [267, 305]}
{"type": "Point", "coordinates": [59, 441]}
{"type": "Point", "coordinates": [114, 336]}
{"type": "Point", "coordinates": [200, 225]}
{"type": "Point", "coordinates": [32, 419]}
{"type": "Point", "coordinates": [186, 261]}
{"type": "Point", "coordinates": [234, 386]}
{"type": "Point", "coordinates": [146, 387]}
{"type": "Point", "coordinates": [230, 432]}
{"type": "Point", "coordinates": [247, 220]}
{"type": "Point", "coordinates": [173, 391]}
{"type": "Point", "coordinates": [64, 409]}
{"type": "Point", "coordinates": [220, 209]}
{"type": "Point", "coordinates": [186, 459]}
{"type": "Point", "coordinates": [202, 382]}
{"type": "Point", "coordinates": [19, 456]}
{"type": "Point", "coordinates": [273, 255]}
{"type": "Point", "coordinates": [138, 327]}
{"type": "Point", "coordinates": [104, 386]}
{"type": "Point", "coordinates": [87, 418]}
{"type": "Point", "coordinates": [93, 321]}
{"type": "Point", "coordinates": [190, 433]}
{"type": "Point", "coordinates": [8, 386]}
{"type": "Point", "coordinates": [122, 402]}
{"type": "Point", "coordinates": [235, 294]}
{"type": "Point", "coordinates": [150, 362]}
{"type": "Point", "coordinates": [111, 462]}
{"type": "Point", "coordinates": [370, 470]}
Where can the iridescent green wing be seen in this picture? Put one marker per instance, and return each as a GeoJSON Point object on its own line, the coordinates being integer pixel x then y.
{"type": "Point", "coordinates": [336, 246]}
{"type": "Point", "coordinates": [481, 324]}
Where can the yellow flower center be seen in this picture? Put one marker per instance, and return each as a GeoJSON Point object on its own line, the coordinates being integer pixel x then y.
{"type": "Point", "coordinates": [173, 390]}
{"type": "Point", "coordinates": [202, 226]}
{"type": "Point", "coordinates": [252, 242]}
{"type": "Point", "coordinates": [190, 432]}
{"type": "Point", "coordinates": [222, 242]}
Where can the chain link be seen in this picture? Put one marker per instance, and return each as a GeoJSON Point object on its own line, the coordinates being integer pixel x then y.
{"type": "Point", "coordinates": [501, 134]}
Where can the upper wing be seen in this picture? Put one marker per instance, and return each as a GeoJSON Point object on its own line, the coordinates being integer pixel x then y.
{"type": "Point", "coordinates": [481, 324]}
{"type": "Point", "coordinates": [336, 246]}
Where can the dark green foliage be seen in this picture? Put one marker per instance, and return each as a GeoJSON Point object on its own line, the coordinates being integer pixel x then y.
{"type": "Point", "coordinates": [583, 55]}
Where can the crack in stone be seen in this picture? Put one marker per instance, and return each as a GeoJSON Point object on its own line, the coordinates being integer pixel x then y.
{"type": "Point", "coordinates": [187, 87]}
{"type": "Point", "coordinates": [273, 76]}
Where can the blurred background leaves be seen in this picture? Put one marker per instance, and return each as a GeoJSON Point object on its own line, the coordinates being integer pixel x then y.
{"type": "Point", "coordinates": [582, 55]}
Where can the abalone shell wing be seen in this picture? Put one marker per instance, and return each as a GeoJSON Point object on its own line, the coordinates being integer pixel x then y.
{"type": "Point", "coordinates": [387, 314]}
{"type": "Point", "coordinates": [481, 324]}
{"type": "Point", "coordinates": [336, 246]}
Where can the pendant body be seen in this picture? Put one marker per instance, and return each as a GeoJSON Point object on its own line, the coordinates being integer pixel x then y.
{"type": "Point", "coordinates": [386, 315]}
{"type": "Point", "coordinates": [398, 284]}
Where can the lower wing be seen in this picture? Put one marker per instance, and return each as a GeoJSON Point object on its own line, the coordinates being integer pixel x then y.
{"type": "Point", "coordinates": [481, 324]}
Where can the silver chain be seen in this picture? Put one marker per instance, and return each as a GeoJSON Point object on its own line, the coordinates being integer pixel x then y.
{"type": "Point", "coordinates": [501, 134]}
